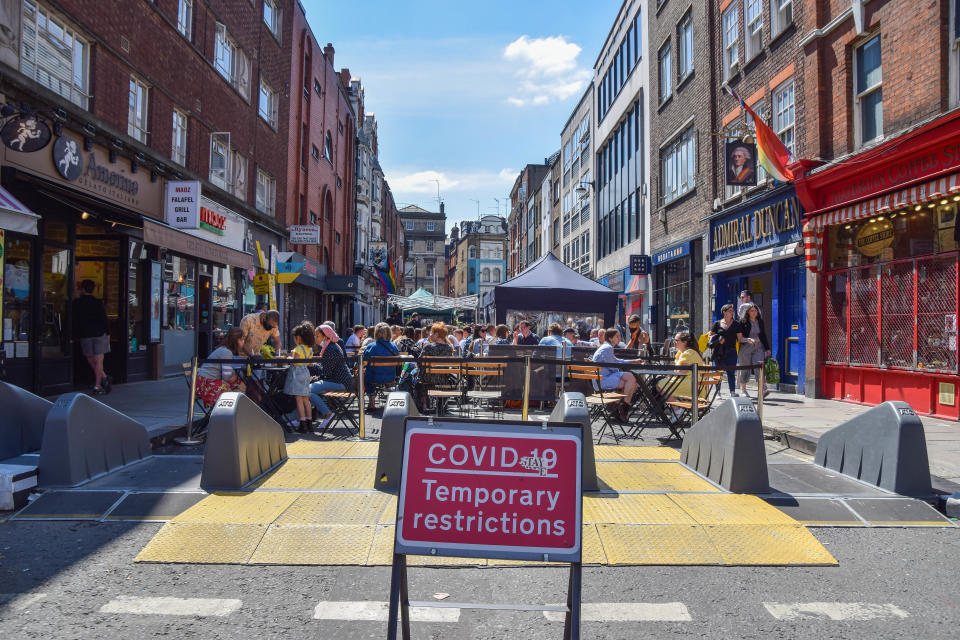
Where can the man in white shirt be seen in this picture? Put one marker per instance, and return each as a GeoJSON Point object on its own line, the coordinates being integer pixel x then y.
{"type": "Point", "coordinates": [354, 339]}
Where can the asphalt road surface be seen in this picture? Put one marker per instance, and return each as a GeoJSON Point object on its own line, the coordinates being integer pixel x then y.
{"type": "Point", "coordinates": [77, 580]}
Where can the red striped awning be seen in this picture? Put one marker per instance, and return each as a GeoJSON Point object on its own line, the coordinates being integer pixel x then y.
{"type": "Point", "coordinates": [14, 216]}
{"type": "Point", "coordinates": [815, 227]}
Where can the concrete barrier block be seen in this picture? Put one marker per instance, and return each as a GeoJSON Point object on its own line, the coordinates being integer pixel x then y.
{"type": "Point", "coordinates": [243, 441]}
{"type": "Point", "coordinates": [727, 446]}
{"type": "Point", "coordinates": [16, 483]}
{"type": "Point", "coordinates": [84, 438]}
{"type": "Point", "coordinates": [884, 446]}
{"type": "Point", "coordinates": [21, 420]}
{"type": "Point", "coordinates": [572, 407]}
{"type": "Point", "coordinates": [399, 407]}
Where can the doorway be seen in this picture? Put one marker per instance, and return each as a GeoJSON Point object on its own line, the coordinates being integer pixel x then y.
{"type": "Point", "coordinates": [98, 259]}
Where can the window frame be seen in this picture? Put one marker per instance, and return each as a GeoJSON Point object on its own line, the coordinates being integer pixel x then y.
{"type": "Point", "coordinates": [752, 35]}
{"type": "Point", "coordinates": [730, 40]}
{"type": "Point", "coordinates": [665, 79]}
{"type": "Point", "coordinates": [954, 62]}
{"type": "Point", "coordinates": [76, 87]}
{"type": "Point", "coordinates": [778, 23]}
{"type": "Point", "coordinates": [266, 192]}
{"type": "Point", "coordinates": [779, 126]}
{"type": "Point", "coordinates": [217, 142]}
{"type": "Point", "coordinates": [178, 152]}
{"type": "Point", "coordinates": [685, 27]}
{"type": "Point", "coordinates": [859, 95]}
{"type": "Point", "coordinates": [185, 19]}
{"type": "Point", "coordinates": [673, 153]}
{"type": "Point", "coordinates": [138, 111]}
{"type": "Point", "coordinates": [272, 103]}
{"type": "Point", "coordinates": [277, 17]}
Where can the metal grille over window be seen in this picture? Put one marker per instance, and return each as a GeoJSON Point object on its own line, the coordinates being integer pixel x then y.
{"type": "Point", "coordinates": [835, 328]}
{"type": "Point", "coordinates": [897, 320]}
{"type": "Point", "coordinates": [936, 313]}
{"type": "Point", "coordinates": [864, 297]}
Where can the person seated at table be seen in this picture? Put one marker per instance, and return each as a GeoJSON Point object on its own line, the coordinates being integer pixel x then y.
{"type": "Point", "coordinates": [214, 379]}
{"type": "Point", "coordinates": [476, 343]}
{"type": "Point", "coordinates": [524, 334]}
{"type": "Point", "coordinates": [594, 337]}
{"type": "Point", "coordinates": [407, 342]}
{"type": "Point", "coordinates": [570, 335]}
{"type": "Point", "coordinates": [354, 339]}
{"type": "Point", "coordinates": [335, 374]}
{"type": "Point", "coordinates": [502, 334]}
{"type": "Point", "coordinates": [368, 337]}
{"type": "Point", "coordinates": [397, 332]}
{"type": "Point", "coordinates": [554, 338]}
{"type": "Point", "coordinates": [687, 355]}
{"type": "Point", "coordinates": [616, 379]}
{"type": "Point", "coordinates": [374, 376]}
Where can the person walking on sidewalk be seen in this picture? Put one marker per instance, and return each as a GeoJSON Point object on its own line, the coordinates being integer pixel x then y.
{"type": "Point", "coordinates": [723, 343]}
{"type": "Point", "coordinates": [90, 327]}
{"type": "Point", "coordinates": [754, 346]}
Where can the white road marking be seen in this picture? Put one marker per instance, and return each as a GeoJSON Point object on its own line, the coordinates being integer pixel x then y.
{"type": "Point", "coordinates": [377, 611]}
{"type": "Point", "coordinates": [20, 601]}
{"type": "Point", "coordinates": [627, 612]}
{"type": "Point", "coordinates": [833, 610]}
{"type": "Point", "coordinates": [172, 606]}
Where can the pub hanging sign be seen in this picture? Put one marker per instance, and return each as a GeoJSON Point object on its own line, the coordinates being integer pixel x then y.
{"type": "Point", "coordinates": [25, 133]}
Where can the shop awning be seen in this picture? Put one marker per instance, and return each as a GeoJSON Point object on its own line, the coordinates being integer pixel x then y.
{"type": "Point", "coordinates": [168, 237]}
{"type": "Point", "coordinates": [14, 216]}
{"type": "Point", "coordinates": [762, 256]}
{"type": "Point", "coordinates": [815, 226]}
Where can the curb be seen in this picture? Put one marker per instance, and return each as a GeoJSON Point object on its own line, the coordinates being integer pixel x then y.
{"type": "Point", "coordinates": [806, 443]}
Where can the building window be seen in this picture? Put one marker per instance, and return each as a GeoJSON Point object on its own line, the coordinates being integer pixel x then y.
{"type": "Point", "coordinates": [685, 47]}
{"type": "Point", "coordinates": [430, 226]}
{"type": "Point", "coordinates": [409, 246]}
{"type": "Point", "coordinates": [239, 174]}
{"type": "Point", "coordinates": [678, 163]}
{"type": "Point", "coordinates": [429, 267]}
{"type": "Point", "coordinates": [336, 235]}
{"type": "Point", "coordinates": [271, 17]}
{"type": "Point", "coordinates": [754, 32]}
{"type": "Point", "coordinates": [485, 274]}
{"type": "Point", "coordinates": [496, 274]}
{"type": "Point", "coordinates": [731, 42]}
{"type": "Point", "coordinates": [430, 246]}
{"type": "Point", "coordinates": [781, 15]}
{"type": "Point", "coordinates": [316, 87]}
{"type": "Point", "coordinates": [868, 91]}
{"type": "Point", "coordinates": [137, 110]}
{"type": "Point", "coordinates": [409, 225]}
{"type": "Point", "coordinates": [266, 192]}
{"type": "Point", "coordinates": [268, 104]}
{"type": "Point", "coordinates": [783, 115]}
{"type": "Point", "coordinates": [219, 155]}
{"type": "Point", "coordinates": [178, 146]}
{"type": "Point", "coordinates": [473, 252]}
{"type": "Point", "coordinates": [328, 147]}
{"type": "Point", "coordinates": [231, 62]}
{"type": "Point", "coordinates": [314, 152]}
{"type": "Point", "coordinates": [666, 72]}
{"type": "Point", "coordinates": [185, 18]}
{"type": "Point", "coordinates": [53, 55]}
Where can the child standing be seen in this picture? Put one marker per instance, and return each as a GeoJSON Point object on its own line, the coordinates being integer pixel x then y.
{"type": "Point", "coordinates": [298, 376]}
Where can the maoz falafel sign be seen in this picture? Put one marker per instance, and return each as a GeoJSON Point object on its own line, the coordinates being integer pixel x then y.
{"type": "Point", "coordinates": [490, 491]}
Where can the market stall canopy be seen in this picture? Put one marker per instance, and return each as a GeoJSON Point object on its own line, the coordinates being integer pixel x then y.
{"type": "Point", "coordinates": [424, 301]}
{"type": "Point", "coordinates": [550, 285]}
{"type": "Point", "coordinates": [14, 216]}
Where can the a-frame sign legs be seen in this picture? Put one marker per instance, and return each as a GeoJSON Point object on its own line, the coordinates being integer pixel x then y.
{"type": "Point", "coordinates": [399, 599]}
{"type": "Point", "coordinates": [571, 625]}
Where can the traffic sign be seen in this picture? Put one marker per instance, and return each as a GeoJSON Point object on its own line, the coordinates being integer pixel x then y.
{"type": "Point", "coordinates": [481, 490]}
{"type": "Point", "coordinates": [261, 284]}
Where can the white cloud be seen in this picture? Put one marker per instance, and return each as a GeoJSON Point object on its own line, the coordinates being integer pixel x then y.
{"type": "Point", "coordinates": [424, 182]}
{"type": "Point", "coordinates": [547, 69]}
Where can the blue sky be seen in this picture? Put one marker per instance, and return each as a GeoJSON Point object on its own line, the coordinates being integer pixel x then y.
{"type": "Point", "coordinates": [465, 93]}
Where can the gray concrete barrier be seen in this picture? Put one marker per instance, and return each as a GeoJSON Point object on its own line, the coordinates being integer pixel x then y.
{"type": "Point", "coordinates": [243, 441]}
{"type": "Point", "coordinates": [572, 407]}
{"type": "Point", "coordinates": [84, 438]}
{"type": "Point", "coordinates": [398, 408]}
{"type": "Point", "coordinates": [727, 446]}
{"type": "Point", "coordinates": [884, 446]}
{"type": "Point", "coordinates": [21, 420]}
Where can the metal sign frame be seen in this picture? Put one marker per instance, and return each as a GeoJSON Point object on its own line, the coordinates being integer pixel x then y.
{"type": "Point", "coordinates": [399, 609]}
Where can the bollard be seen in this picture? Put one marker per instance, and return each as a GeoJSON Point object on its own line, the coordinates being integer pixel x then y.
{"type": "Point", "coordinates": [361, 400]}
{"type": "Point", "coordinates": [190, 440]}
{"type": "Point", "coordinates": [526, 387]}
{"type": "Point", "coordinates": [695, 401]}
{"type": "Point", "coordinates": [760, 389]}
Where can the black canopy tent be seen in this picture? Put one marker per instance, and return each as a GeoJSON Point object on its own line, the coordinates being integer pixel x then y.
{"type": "Point", "coordinates": [550, 285]}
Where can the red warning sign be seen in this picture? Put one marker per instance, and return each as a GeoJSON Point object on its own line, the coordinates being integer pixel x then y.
{"type": "Point", "coordinates": [492, 491]}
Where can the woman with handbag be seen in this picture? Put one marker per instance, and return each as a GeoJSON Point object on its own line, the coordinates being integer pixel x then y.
{"type": "Point", "coordinates": [754, 346]}
{"type": "Point", "coordinates": [723, 344]}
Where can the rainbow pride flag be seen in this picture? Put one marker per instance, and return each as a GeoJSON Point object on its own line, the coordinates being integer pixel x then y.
{"type": "Point", "coordinates": [388, 277]}
{"type": "Point", "coordinates": [771, 152]}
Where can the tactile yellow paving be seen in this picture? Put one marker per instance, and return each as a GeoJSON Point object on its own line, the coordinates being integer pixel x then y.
{"type": "Point", "coordinates": [657, 545]}
{"type": "Point", "coordinates": [360, 449]}
{"type": "Point", "coordinates": [314, 545]}
{"type": "Point", "coordinates": [327, 449]}
{"type": "Point", "coordinates": [752, 544]}
{"type": "Point", "coordinates": [389, 515]}
{"type": "Point", "coordinates": [203, 543]}
{"type": "Point", "coordinates": [238, 508]}
{"type": "Point", "coordinates": [650, 476]}
{"type": "Point", "coordinates": [320, 473]}
{"type": "Point", "coordinates": [381, 549]}
{"type": "Point", "coordinates": [592, 547]}
{"type": "Point", "coordinates": [621, 452]}
{"type": "Point", "coordinates": [336, 508]}
{"type": "Point", "coordinates": [633, 508]}
{"type": "Point", "coordinates": [731, 508]}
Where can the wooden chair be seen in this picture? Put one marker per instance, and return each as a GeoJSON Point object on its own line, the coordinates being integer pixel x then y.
{"type": "Point", "coordinates": [710, 383]}
{"type": "Point", "coordinates": [599, 402]}
{"type": "Point", "coordinates": [380, 390]}
{"type": "Point", "coordinates": [443, 382]}
{"type": "Point", "coordinates": [343, 404]}
{"type": "Point", "coordinates": [487, 388]}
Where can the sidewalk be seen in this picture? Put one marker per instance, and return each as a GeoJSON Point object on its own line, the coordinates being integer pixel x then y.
{"type": "Point", "coordinates": [800, 421]}
{"type": "Point", "coordinates": [159, 405]}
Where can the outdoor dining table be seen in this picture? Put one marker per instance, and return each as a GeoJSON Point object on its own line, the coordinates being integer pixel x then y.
{"type": "Point", "coordinates": [655, 387]}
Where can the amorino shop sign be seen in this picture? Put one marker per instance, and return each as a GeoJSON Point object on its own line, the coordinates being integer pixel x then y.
{"type": "Point", "coordinates": [91, 172]}
{"type": "Point", "coordinates": [767, 223]}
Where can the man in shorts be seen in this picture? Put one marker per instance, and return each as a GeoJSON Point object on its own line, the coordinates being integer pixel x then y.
{"type": "Point", "coordinates": [90, 328]}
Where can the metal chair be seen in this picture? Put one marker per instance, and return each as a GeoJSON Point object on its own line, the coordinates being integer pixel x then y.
{"type": "Point", "coordinates": [201, 425]}
{"type": "Point", "coordinates": [599, 402]}
{"type": "Point", "coordinates": [710, 383]}
{"type": "Point", "coordinates": [341, 403]}
{"type": "Point", "coordinates": [443, 381]}
{"type": "Point", "coordinates": [487, 386]}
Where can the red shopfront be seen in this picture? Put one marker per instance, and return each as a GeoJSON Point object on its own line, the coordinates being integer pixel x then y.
{"type": "Point", "coordinates": [884, 237]}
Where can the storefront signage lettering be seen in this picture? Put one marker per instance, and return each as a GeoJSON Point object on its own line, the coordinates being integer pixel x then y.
{"type": "Point", "coordinates": [212, 221]}
{"type": "Point", "coordinates": [110, 178]}
{"type": "Point", "coordinates": [671, 254]}
{"type": "Point", "coordinates": [25, 133]}
{"type": "Point", "coordinates": [772, 223]}
{"type": "Point", "coordinates": [874, 237]}
{"type": "Point", "coordinates": [304, 234]}
{"type": "Point", "coordinates": [895, 174]}
{"type": "Point", "coordinates": [181, 204]}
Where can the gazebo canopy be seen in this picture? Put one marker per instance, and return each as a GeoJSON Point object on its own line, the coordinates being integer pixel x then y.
{"type": "Point", "coordinates": [422, 301]}
{"type": "Point", "coordinates": [550, 285]}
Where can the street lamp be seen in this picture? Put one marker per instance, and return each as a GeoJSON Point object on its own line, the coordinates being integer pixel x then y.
{"type": "Point", "coordinates": [582, 188]}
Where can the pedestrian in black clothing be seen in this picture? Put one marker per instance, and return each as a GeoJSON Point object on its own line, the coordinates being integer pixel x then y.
{"type": "Point", "coordinates": [723, 344]}
{"type": "Point", "coordinates": [90, 328]}
{"type": "Point", "coordinates": [525, 336]}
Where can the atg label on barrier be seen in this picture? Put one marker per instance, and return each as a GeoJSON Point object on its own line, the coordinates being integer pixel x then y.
{"type": "Point", "coordinates": [490, 491]}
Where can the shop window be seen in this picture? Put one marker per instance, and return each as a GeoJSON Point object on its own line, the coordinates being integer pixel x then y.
{"type": "Point", "coordinates": [864, 299]}
{"type": "Point", "coordinates": [179, 311]}
{"type": "Point", "coordinates": [17, 320]}
{"type": "Point", "coordinates": [224, 303]}
{"type": "Point", "coordinates": [937, 313]}
{"type": "Point", "coordinates": [835, 325]}
{"type": "Point", "coordinates": [54, 296]}
{"type": "Point", "coordinates": [53, 54]}
{"type": "Point", "coordinates": [136, 304]}
{"type": "Point", "coordinates": [897, 320]}
{"type": "Point", "coordinates": [868, 91]}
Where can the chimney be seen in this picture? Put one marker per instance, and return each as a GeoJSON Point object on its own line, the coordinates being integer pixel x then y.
{"type": "Point", "coordinates": [328, 52]}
